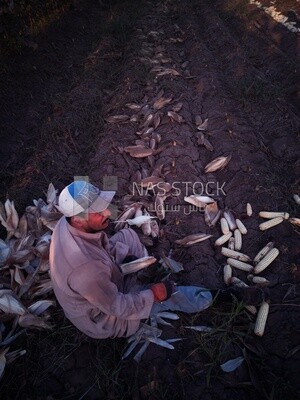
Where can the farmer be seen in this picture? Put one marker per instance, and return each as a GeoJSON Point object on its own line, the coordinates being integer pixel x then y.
{"type": "Point", "coordinates": [87, 281]}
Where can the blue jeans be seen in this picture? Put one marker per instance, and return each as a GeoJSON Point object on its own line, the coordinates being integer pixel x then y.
{"type": "Point", "coordinates": [188, 299]}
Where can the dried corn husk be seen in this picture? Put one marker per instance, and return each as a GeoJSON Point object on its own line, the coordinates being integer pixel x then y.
{"type": "Point", "coordinates": [137, 265]}
{"type": "Point", "coordinates": [217, 164]}
{"type": "Point", "coordinates": [150, 181]}
{"type": "Point", "coordinates": [212, 214]}
{"type": "Point", "coordinates": [193, 239]}
{"type": "Point", "coordinates": [160, 207]}
{"type": "Point", "coordinates": [33, 321]}
{"type": "Point", "coordinates": [9, 303]}
{"type": "Point", "coordinates": [162, 102]}
{"type": "Point", "coordinates": [117, 118]}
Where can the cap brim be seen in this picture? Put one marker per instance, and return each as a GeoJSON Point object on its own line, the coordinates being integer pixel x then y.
{"type": "Point", "coordinates": [102, 202]}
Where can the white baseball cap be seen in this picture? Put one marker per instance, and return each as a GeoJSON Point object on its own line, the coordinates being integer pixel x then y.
{"type": "Point", "coordinates": [82, 196]}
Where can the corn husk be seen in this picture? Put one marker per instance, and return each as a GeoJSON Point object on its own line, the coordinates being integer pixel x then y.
{"type": "Point", "coordinates": [212, 214]}
{"type": "Point", "coordinates": [217, 164]}
{"type": "Point", "coordinates": [193, 239]}
{"type": "Point", "coordinates": [136, 265]}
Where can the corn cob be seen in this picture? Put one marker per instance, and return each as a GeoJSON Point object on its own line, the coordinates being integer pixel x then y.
{"type": "Point", "coordinates": [235, 254]}
{"type": "Point", "coordinates": [260, 279]}
{"type": "Point", "coordinates": [228, 215]}
{"type": "Point", "coordinates": [261, 319]}
{"type": "Point", "coordinates": [231, 243]}
{"type": "Point", "coordinates": [273, 214]}
{"type": "Point", "coordinates": [223, 239]}
{"type": "Point", "coordinates": [266, 261]}
{"type": "Point", "coordinates": [269, 224]}
{"type": "Point", "coordinates": [264, 251]}
{"type": "Point", "coordinates": [227, 274]}
{"type": "Point", "coordinates": [241, 226]}
{"type": "Point", "coordinates": [249, 209]}
{"type": "Point", "coordinates": [240, 265]}
{"type": "Point", "coordinates": [296, 198]}
{"type": "Point", "coordinates": [295, 221]}
{"type": "Point", "coordinates": [224, 226]}
{"type": "Point", "coordinates": [237, 239]}
{"type": "Point", "coordinates": [238, 282]}
{"type": "Point", "coordinates": [250, 277]}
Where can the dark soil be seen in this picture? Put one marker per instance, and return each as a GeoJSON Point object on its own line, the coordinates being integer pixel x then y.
{"type": "Point", "coordinates": [240, 70]}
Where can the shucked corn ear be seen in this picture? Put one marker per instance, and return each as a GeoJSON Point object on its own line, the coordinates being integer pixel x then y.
{"type": "Point", "coordinates": [223, 239]}
{"type": "Point", "coordinates": [295, 221]}
{"type": "Point", "coordinates": [269, 224]}
{"type": "Point", "coordinates": [265, 250]}
{"type": "Point", "coordinates": [238, 282]}
{"type": "Point", "coordinates": [241, 226]}
{"type": "Point", "coordinates": [260, 279]}
{"type": "Point", "coordinates": [261, 319]}
{"type": "Point", "coordinates": [237, 239]}
{"type": "Point", "coordinates": [274, 214]}
{"type": "Point", "coordinates": [240, 265]}
{"type": "Point", "coordinates": [231, 243]}
{"type": "Point", "coordinates": [234, 254]}
{"type": "Point", "coordinates": [224, 226]}
{"type": "Point", "coordinates": [296, 198]}
{"type": "Point", "coordinates": [249, 209]}
{"type": "Point", "coordinates": [266, 261]}
{"type": "Point", "coordinates": [227, 274]}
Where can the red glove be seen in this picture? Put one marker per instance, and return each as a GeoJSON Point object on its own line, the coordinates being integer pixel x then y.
{"type": "Point", "coordinates": [162, 290]}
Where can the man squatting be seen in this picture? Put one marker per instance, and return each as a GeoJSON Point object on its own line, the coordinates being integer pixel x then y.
{"type": "Point", "coordinates": [88, 283]}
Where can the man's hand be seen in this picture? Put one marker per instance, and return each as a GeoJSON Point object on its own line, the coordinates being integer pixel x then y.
{"type": "Point", "coordinates": [163, 290]}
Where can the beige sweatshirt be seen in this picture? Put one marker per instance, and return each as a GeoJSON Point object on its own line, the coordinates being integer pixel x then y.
{"type": "Point", "coordinates": [89, 285]}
